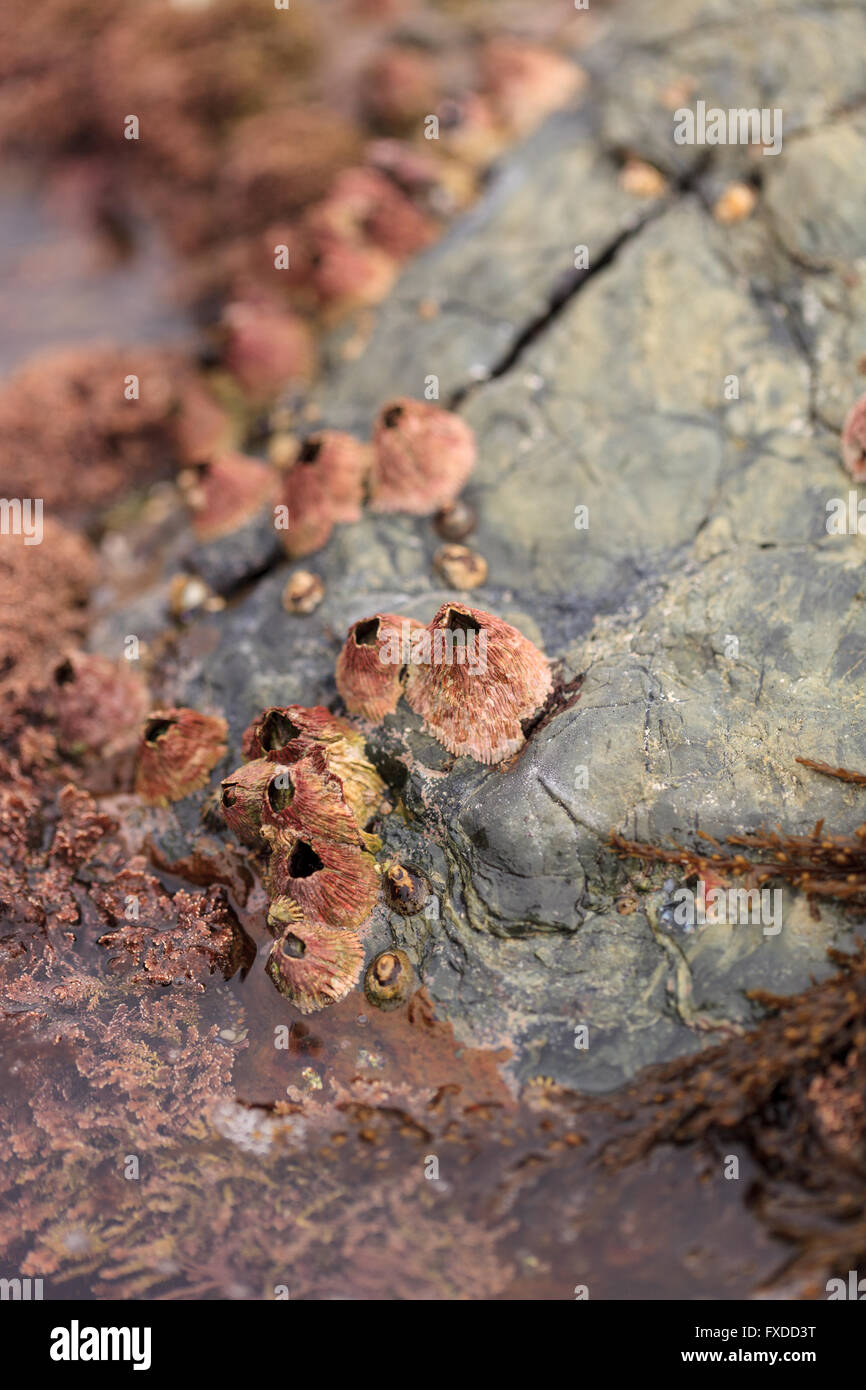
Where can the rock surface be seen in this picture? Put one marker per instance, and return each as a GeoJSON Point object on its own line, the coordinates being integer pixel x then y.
{"type": "Point", "coordinates": [687, 389]}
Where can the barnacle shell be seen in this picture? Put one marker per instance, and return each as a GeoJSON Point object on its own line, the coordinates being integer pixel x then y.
{"type": "Point", "coordinates": [366, 206]}
{"type": "Point", "coordinates": [98, 706]}
{"type": "Point", "coordinates": [335, 881]}
{"type": "Point", "coordinates": [854, 441]}
{"type": "Point", "coordinates": [313, 964]}
{"type": "Point", "coordinates": [422, 457]}
{"type": "Point", "coordinates": [370, 666]}
{"type": "Point", "coordinates": [285, 734]}
{"type": "Point", "coordinates": [306, 800]}
{"type": "Point", "coordinates": [178, 750]}
{"type": "Point", "coordinates": [225, 492]}
{"type": "Point", "coordinates": [476, 707]}
{"type": "Point", "coordinates": [525, 81]}
{"type": "Point", "coordinates": [324, 485]}
{"type": "Point", "coordinates": [388, 980]}
{"type": "Point", "coordinates": [406, 891]}
{"type": "Point", "coordinates": [242, 797]}
{"type": "Point", "coordinates": [266, 348]}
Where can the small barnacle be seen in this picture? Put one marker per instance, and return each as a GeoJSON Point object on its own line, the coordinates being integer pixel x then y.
{"type": "Point", "coordinates": [398, 88]}
{"type": "Point", "coordinates": [854, 441]}
{"type": "Point", "coordinates": [266, 348]}
{"type": "Point", "coordinates": [324, 486]}
{"type": "Point", "coordinates": [334, 880]}
{"type": "Point", "coordinates": [406, 890]}
{"type": "Point", "coordinates": [200, 427]}
{"type": "Point", "coordinates": [456, 521]}
{"type": "Point", "coordinates": [303, 593]}
{"type": "Point", "coordinates": [178, 750]}
{"type": "Point", "coordinates": [226, 492]}
{"type": "Point", "coordinates": [642, 180]}
{"type": "Point", "coordinates": [287, 734]}
{"type": "Point", "coordinates": [477, 681]}
{"type": "Point", "coordinates": [735, 203]}
{"type": "Point", "coordinates": [460, 567]}
{"type": "Point", "coordinates": [346, 274]}
{"type": "Point", "coordinates": [372, 662]}
{"type": "Point", "coordinates": [366, 207]}
{"type": "Point", "coordinates": [389, 978]}
{"type": "Point", "coordinates": [311, 963]}
{"type": "Point", "coordinates": [422, 457]}
{"type": "Point", "coordinates": [526, 82]}
{"type": "Point", "coordinates": [98, 706]}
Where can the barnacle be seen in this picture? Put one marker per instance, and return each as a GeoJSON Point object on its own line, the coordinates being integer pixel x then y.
{"type": "Point", "coordinates": [460, 567]}
{"type": "Point", "coordinates": [474, 680]}
{"type": "Point", "coordinates": [311, 963]}
{"type": "Point", "coordinates": [456, 521]}
{"type": "Point", "coordinates": [242, 797]}
{"type": "Point", "coordinates": [422, 457]}
{"type": "Point", "coordinates": [398, 88]}
{"type": "Point", "coordinates": [334, 880]}
{"type": "Point", "coordinates": [178, 750]}
{"type": "Point", "coordinates": [266, 348]}
{"type": "Point", "coordinates": [364, 206]}
{"type": "Point", "coordinates": [306, 799]}
{"type": "Point", "coordinates": [406, 890]}
{"type": "Point", "coordinates": [99, 706]}
{"type": "Point", "coordinates": [525, 81]}
{"type": "Point", "coordinates": [372, 662]}
{"type": "Point", "coordinates": [225, 492]}
{"type": "Point", "coordinates": [388, 979]}
{"type": "Point", "coordinates": [287, 734]}
{"type": "Point", "coordinates": [854, 441]}
{"type": "Point", "coordinates": [303, 593]}
{"type": "Point", "coordinates": [324, 485]}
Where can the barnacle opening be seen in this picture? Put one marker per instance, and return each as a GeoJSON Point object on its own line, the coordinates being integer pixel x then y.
{"type": "Point", "coordinates": [281, 791]}
{"type": "Point", "coordinates": [304, 861]}
{"type": "Point", "coordinates": [309, 451]}
{"type": "Point", "coordinates": [65, 673]}
{"type": "Point", "coordinates": [392, 416]}
{"type": "Point", "coordinates": [294, 946]}
{"type": "Point", "coordinates": [229, 796]}
{"type": "Point", "coordinates": [276, 731]}
{"type": "Point", "coordinates": [455, 621]}
{"type": "Point", "coordinates": [367, 633]}
{"type": "Point", "coordinates": [156, 728]}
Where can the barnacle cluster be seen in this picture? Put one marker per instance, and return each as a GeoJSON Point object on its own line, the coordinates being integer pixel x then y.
{"type": "Point", "coordinates": [473, 678]}
{"type": "Point", "coordinates": [303, 800]}
{"type": "Point", "coordinates": [419, 460]}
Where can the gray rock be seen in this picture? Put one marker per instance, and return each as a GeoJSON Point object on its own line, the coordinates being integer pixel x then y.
{"type": "Point", "coordinates": [686, 391]}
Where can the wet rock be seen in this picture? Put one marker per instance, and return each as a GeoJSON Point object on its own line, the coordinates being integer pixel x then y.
{"type": "Point", "coordinates": [657, 447]}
